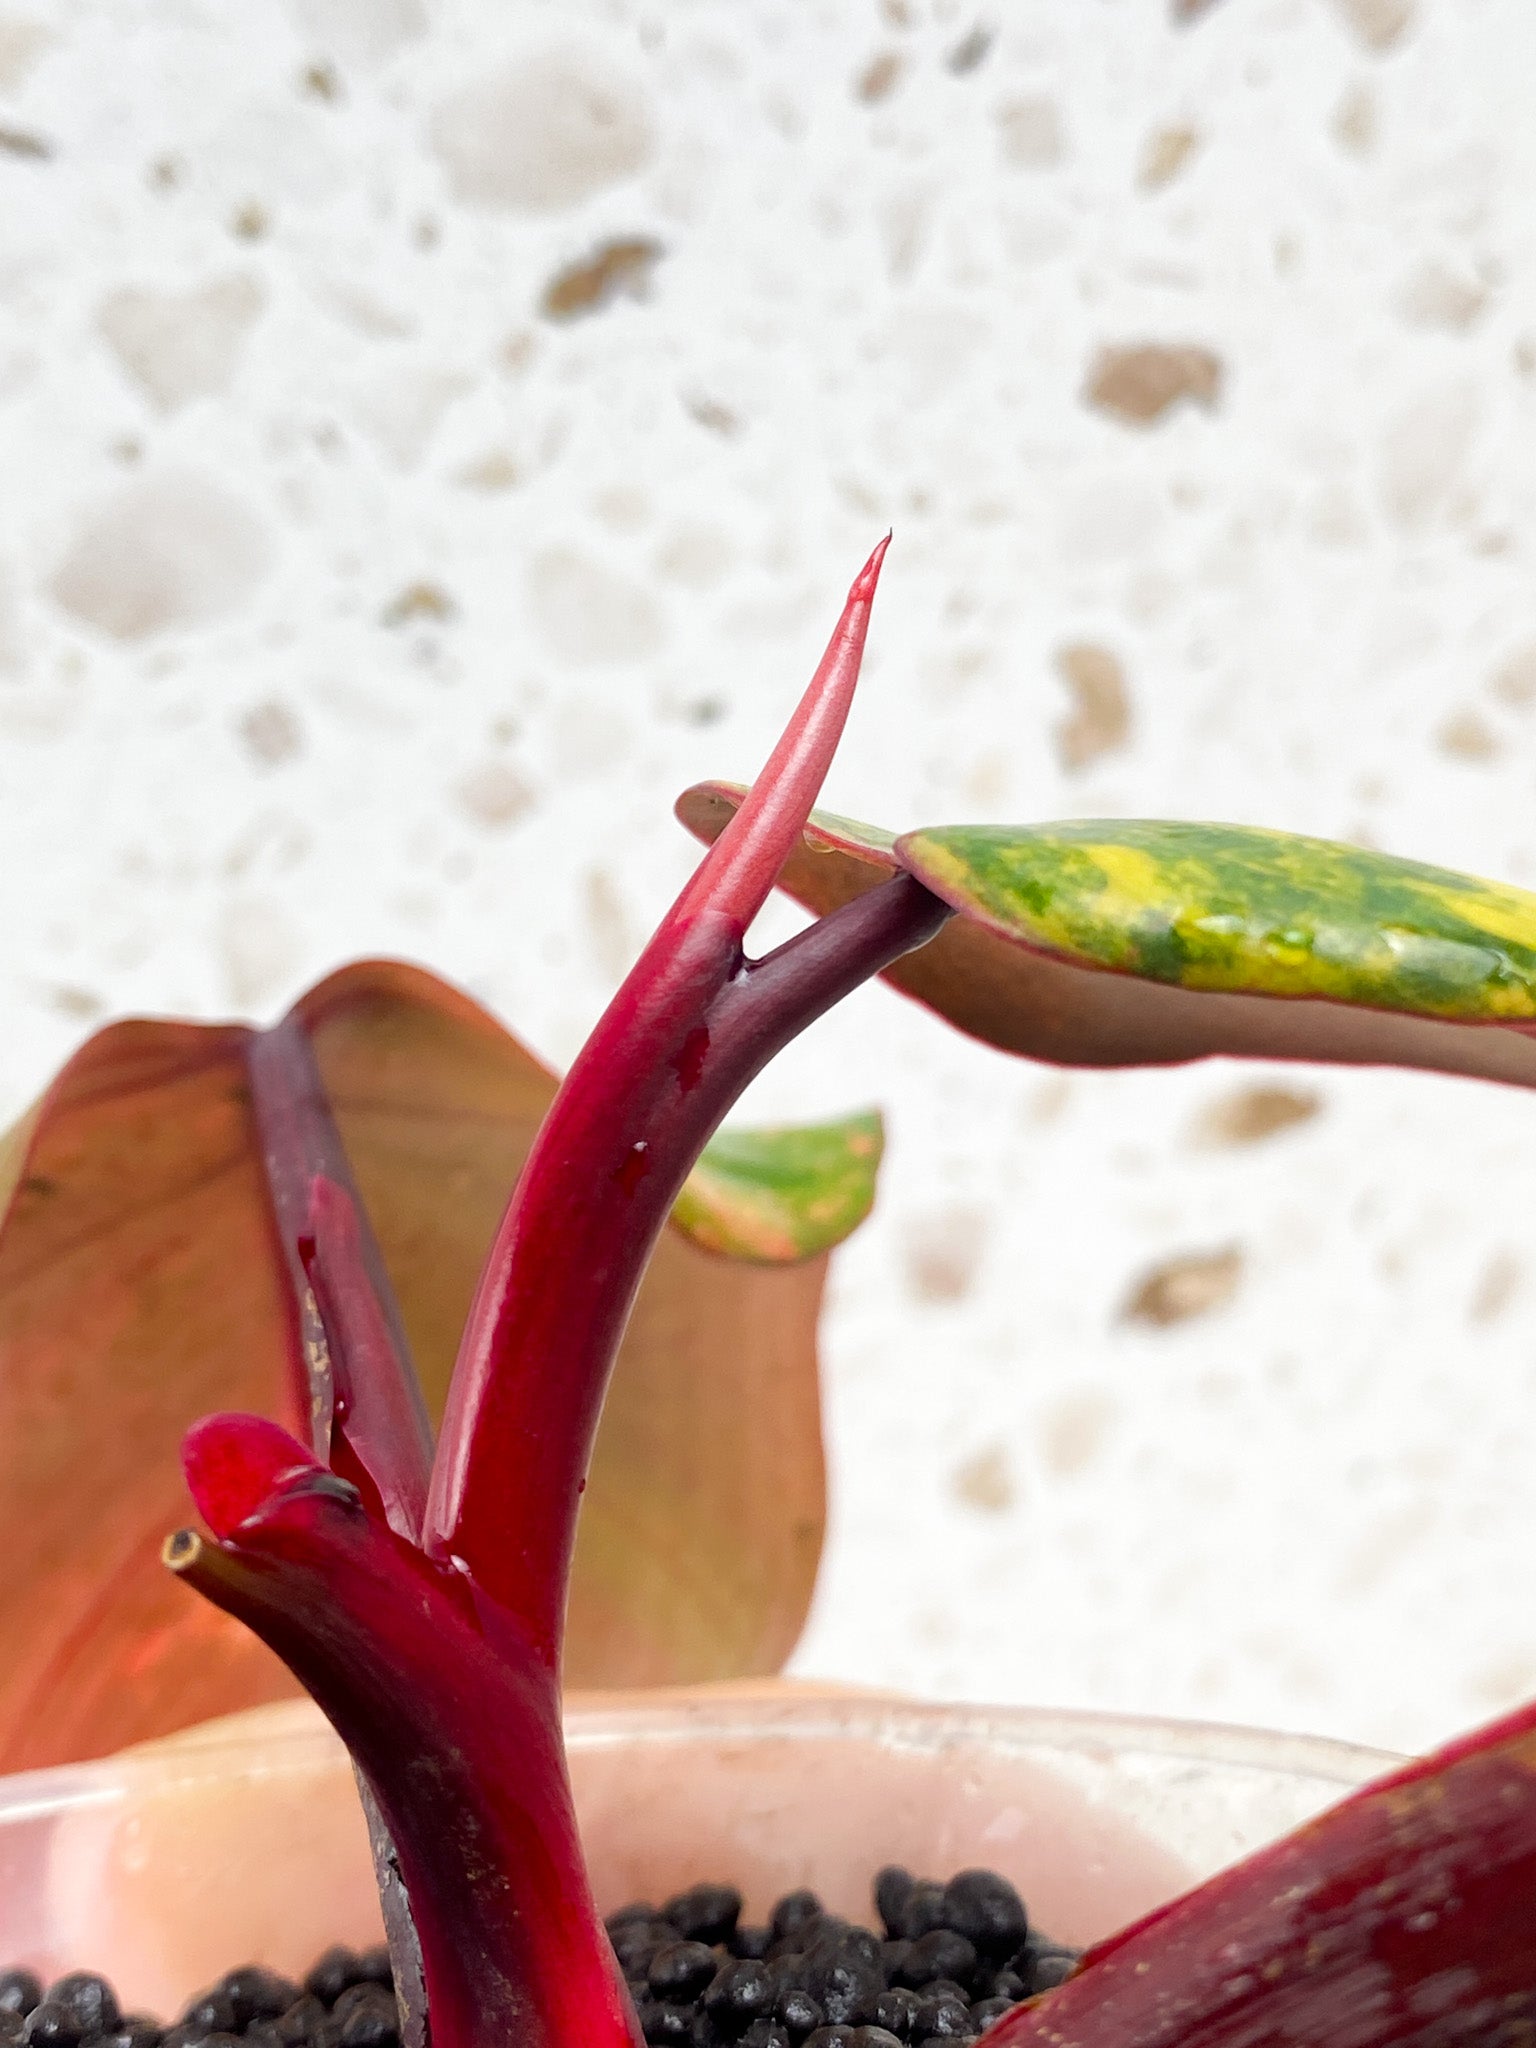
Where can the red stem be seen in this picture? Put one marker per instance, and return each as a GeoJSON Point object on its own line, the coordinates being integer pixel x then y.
{"type": "Point", "coordinates": [439, 1664]}
{"type": "Point", "coordinates": [367, 1413]}
{"type": "Point", "coordinates": [622, 1158]}
{"type": "Point", "coordinates": [545, 1324]}
{"type": "Point", "coordinates": [455, 1727]}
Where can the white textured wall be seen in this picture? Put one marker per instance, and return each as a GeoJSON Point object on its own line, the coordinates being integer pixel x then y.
{"type": "Point", "coordinates": [348, 601]}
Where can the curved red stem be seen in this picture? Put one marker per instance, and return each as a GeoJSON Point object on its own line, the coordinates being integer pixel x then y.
{"type": "Point", "coordinates": [455, 1725]}
{"type": "Point", "coordinates": [545, 1324]}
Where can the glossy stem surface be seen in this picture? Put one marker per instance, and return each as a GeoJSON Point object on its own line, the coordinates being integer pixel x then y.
{"type": "Point", "coordinates": [550, 1310]}
{"type": "Point", "coordinates": [368, 1417]}
{"type": "Point", "coordinates": [606, 1180]}
{"type": "Point", "coordinates": [455, 1728]}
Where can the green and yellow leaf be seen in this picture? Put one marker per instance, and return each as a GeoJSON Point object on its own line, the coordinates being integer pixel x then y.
{"type": "Point", "coordinates": [1235, 908]}
{"type": "Point", "coordinates": [1050, 993]}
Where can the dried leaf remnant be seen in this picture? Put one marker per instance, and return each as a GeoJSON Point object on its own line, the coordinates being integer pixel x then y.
{"type": "Point", "coordinates": [1180, 1289]}
{"type": "Point", "coordinates": [1140, 382]}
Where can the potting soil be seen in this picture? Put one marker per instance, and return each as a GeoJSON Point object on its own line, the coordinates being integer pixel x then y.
{"type": "Point", "coordinates": [947, 1961]}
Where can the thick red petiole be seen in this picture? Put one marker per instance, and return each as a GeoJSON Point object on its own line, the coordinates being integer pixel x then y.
{"type": "Point", "coordinates": [621, 1136]}
{"type": "Point", "coordinates": [427, 1620]}
{"type": "Point", "coordinates": [367, 1414]}
{"type": "Point", "coordinates": [454, 1727]}
{"type": "Point", "coordinates": [380, 1422]}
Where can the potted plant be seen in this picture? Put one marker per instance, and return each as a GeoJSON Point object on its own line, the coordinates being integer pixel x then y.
{"type": "Point", "coordinates": [417, 1586]}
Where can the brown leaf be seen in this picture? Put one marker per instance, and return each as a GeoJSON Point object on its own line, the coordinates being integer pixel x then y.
{"type": "Point", "coordinates": [139, 1289]}
{"type": "Point", "coordinates": [137, 1292]}
{"type": "Point", "coordinates": [1399, 1918]}
{"type": "Point", "coordinates": [1141, 382]}
{"type": "Point", "coordinates": [1182, 1288]}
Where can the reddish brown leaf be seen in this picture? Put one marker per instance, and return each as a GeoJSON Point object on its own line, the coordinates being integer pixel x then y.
{"type": "Point", "coordinates": [137, 1291]}
{"type": "Point", "coordinates": [140, 1289]}
{"type": "Point", "coordinates": [1404, 1916]}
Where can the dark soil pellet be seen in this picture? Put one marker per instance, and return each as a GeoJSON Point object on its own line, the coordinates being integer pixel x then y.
{"type": "Point", "coordinates": [705, 1912]}
{"type": "Point", "coordinates": [948, 1961]}
{"type": "Point", "coordinates": [682, 1970]}
{"type": "Point", "coordinates": [20, 1990]}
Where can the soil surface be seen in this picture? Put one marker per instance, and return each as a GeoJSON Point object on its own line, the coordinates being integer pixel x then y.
{"type": "Point", "coordinates": [942, 1962]}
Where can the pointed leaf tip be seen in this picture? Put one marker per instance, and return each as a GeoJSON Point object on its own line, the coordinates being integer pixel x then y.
{"type": "Point", "coordinates": [234, 1463]}
{"type": "Point", "coordinates": [862, 589]}
{"type": "Point", "coordinates": [743, 862]}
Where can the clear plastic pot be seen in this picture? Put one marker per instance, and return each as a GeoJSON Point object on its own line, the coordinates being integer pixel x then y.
{"type": "Point", "coordinates": [244, 1843]}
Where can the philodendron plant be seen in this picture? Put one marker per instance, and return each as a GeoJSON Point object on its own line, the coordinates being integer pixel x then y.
{"type": "Point", "coordinates": [323, 1184]}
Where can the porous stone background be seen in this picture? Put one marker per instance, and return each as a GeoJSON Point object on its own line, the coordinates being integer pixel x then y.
{"type": "Point", "coordinates": [432, 434]}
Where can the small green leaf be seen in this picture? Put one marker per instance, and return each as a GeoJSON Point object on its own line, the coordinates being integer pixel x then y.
{"type": "Point", "coordinates": [778, 1196]}
{"type": "Point", "coordinates": [1237, 909]}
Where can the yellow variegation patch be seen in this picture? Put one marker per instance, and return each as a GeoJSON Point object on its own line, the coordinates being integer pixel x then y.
{"type": "Point", "coordinates": [1231, 907]}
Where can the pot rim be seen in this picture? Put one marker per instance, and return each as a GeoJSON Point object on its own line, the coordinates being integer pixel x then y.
{"type": "Point", "coordinates": [292, 1734]}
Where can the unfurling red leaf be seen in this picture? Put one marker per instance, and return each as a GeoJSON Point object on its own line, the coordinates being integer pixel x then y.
{"type": "Point", "coordinates": [141, 1288]}
{"type": "Point", "coordinates": [781, 1195]}
{"type": "Point", "coordinates": [1404, 1917]}
{"type": "Point", "coordinates": [1417, 968]}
